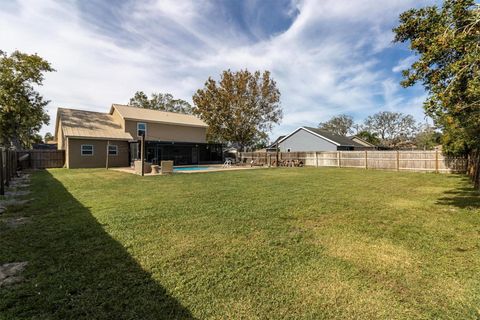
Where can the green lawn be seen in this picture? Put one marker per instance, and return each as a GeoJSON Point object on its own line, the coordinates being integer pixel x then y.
{"type": "Point", "coordinates": [269, 243]}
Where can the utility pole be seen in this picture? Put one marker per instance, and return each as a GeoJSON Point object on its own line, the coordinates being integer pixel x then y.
{"type": "Point", "coordinates": [142, 155]}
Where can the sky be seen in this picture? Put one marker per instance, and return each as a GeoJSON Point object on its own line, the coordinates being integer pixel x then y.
{"type": "Point", "coordinates": [328, 57]}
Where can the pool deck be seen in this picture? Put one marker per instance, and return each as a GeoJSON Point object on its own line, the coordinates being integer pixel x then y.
{"type": "Point", "coordinates": [214, 168]}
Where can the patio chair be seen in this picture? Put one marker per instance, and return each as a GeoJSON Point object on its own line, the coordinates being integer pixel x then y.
{"type": "Point", "coordinates": [227, 163]}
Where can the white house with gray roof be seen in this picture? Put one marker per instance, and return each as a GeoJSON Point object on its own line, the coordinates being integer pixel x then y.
{"type": "Point", "coordinates": [313, 139]}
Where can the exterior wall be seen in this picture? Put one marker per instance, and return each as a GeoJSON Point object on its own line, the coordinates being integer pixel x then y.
{"type": "Point", "coordinates": [168, 132]}
{"type": "Point", "coordinates": [305, 141]}
{"type": "Point", "coordinates": [118, 118]}
{"type": "Point", "coordinates": [98, 159]}
{"type": "Point", "coordinates": [60, 138]}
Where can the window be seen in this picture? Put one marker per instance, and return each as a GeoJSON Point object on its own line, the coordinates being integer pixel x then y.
{"type": "Point", "coordinates": [87, 150]}
{"type": "Point", "coordinates": [288, 150]}
{"type": "Point", "coordinates": [141, 129]}
{"type": "Point", "coordinates": [112, 150]}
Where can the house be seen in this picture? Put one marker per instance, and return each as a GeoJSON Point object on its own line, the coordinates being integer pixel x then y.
{"type": "Point", "coordinates": [367, 145]}
{"type": "Point", "coordinates": [91, 138]}
{"type": "Point", "coordinates": [313, 139]}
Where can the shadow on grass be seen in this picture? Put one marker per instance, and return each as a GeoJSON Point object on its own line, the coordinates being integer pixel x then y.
{"type": "Point", "coordinates": [462, 197]}
{"type": "Point", "coordinates": [76, 270]}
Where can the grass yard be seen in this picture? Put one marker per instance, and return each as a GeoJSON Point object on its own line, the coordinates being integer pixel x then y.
{"type": "Point", "coordinates": [269, 243]}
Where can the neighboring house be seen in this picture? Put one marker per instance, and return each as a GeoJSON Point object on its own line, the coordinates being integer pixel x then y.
{"type": "Point", "coordinates": [273, 146]}
{"type": "Point", "coordinates": [85, 135]}
{"type": "Point", "coordinates": [367, 145]}
{"type": "Point", "coordinates": [313, 139]}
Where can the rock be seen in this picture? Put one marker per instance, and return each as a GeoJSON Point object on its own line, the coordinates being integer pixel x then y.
{"type": "Point", "coordinates": [10, 272]}
{"type": "Point", "coordinates": [13, 202]}
{"type": "Point", "coordinates": [16, 222]}
{"type": "Point", "coordinates": [20, 184]}
{"type": "Point", "coordinates": [16, 193]}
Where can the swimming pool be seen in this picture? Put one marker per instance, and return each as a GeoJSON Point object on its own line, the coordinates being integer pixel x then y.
{"type": "Point", "coordinates": [180, 169]}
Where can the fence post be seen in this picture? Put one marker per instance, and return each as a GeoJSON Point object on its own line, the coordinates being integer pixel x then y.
{"type": "Point", "coordinates": [366, 160]}
{"type": "Point", "coordinates": [2, 187]}
{"type": "Point", "coordinates": [339, 156]}
{"type": "Point", "coordinates": [436, 161]}
{"type": "Point", "coordinates": [398, 160]}
{"type": "Point", "coordinates": [7, 165]}
{"type": "Point", "coordinates": [316, 159]}
{"type": "Point", "coordinates": [15, 157]}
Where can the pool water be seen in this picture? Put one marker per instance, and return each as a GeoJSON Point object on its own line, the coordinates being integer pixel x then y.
{"type": "Point", "coordinates": [192, 168]}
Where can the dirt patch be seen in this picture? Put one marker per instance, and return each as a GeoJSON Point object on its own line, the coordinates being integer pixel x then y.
{"type": "Point", "coordinates": [10, 273]}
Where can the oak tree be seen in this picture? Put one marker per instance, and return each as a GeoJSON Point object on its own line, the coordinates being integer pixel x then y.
{"type": "Point", "coordinates": [161, 102]}
{"type": "Point", "coordinates": [391, 127]}
{"type": "Point", "coordinates": [22, 107]}
{"type": "Point", "coordinates": [240, 108]}
{"type": "Point", "coordinates": [446, 42]}
{"type": "Point", "coordinates": [341, 125]}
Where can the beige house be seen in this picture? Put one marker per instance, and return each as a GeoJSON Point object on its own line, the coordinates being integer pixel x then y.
{"type": "Point", "coordinates": [94, 139]}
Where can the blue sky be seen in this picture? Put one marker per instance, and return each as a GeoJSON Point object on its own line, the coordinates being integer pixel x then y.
{"type": "Point", "coordinates": [327, 56]}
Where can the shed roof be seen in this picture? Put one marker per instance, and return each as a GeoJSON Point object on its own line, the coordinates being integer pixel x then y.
{"type": "Point", "coordinates": [90, 125]}
{"type": "Point", "coordinates": [148, 115]}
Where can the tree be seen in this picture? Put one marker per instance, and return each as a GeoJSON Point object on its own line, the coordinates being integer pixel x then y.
{"type": "Point", "coordinates": [447, 44]}
{"type": "Point", "coordinates": [241, 108]}
{"type": "Point", "coordinates": [391, 127]}
{"type": "Point", "coordinates": [369, 137]}
{"type": "Point", "coordinates": [427, 138]}
{"type": "Point", "coordinates": [22, 108]}
{"type": "Point", "coordinates": [48, 137]}
{"type": "Point", "coordinates": [341, 124]}
{"type": "Point", "coordinates": [159, 101]}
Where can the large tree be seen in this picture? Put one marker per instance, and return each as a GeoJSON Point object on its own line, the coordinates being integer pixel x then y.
{"type": "Point", "coordinates": [391, 127]}
{"type": "Point", "coordinates": [160, 101]}
{"type": "Point", "coordinates": [341, 124]}
{"type": "Point", "coordinates": [427, 138]}
{"type": "Point", "coordinates": [48, 137]}
{"type": "Point", "coordinates": [240, 108]}
{"type": "Point", "coordinates": [22, 108]}
{"type": "Point", "coordinates": [446, 42]}
{"type": "Point", "coordinates": [369, 137]}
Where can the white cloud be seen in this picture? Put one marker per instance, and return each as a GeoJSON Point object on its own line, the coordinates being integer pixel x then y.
{"type": "Point", "coordinates": [404, 64]}
{"type": "Point", "coordinates": [326, 62]}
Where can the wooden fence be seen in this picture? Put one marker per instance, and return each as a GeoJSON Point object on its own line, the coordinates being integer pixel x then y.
{"type": "Point", "coordinates": [474, 167]}
{"type": "Point", "coordinates": [8, 168]}
{"type": "Point", "coordinates": [41, 159]}
{"type": "Point", "coordinates": [421, 161]}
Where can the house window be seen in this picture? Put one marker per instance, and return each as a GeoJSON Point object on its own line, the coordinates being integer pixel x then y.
{"type": "Point", "coordinates": [87, 150]}
{"type": "Point", "coordinates": [141, 129]}
{"type": "Point", "coordinates": [288, 150]}
{"type": "Point", "coordinates": [112, 150]}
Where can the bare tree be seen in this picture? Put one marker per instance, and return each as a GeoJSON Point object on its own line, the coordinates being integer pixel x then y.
{"type": "Point", "coordinates": [392, 127]}
{"type": "Point", "coordinates": [341, 124]}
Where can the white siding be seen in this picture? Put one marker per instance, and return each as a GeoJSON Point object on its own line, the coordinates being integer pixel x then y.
{"type": "Point", "coordinates": [303, 140]}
